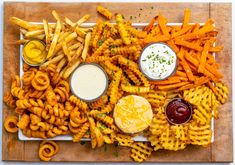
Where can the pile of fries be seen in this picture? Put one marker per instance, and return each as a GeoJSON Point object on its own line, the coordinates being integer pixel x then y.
{"type": "Point", "coordinates": [43, 99]}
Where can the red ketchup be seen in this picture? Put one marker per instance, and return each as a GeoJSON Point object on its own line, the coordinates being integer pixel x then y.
{"type": "Point", "coordinates": [178, 111]}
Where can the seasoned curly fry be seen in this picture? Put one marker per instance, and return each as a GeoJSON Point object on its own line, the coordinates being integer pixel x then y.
{"type": "Point", "coordinates": [10, 124]}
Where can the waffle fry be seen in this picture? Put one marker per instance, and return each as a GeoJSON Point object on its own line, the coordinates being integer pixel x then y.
{"type": "Point", "coordinates": [124, 140]}
{"type": "Point", "coordinates": [169, 142]}
{"type": "Point", "coordinates": [200, 135]}
{"type": "Point", "coordinates": [221, 92]}
{"type": "Point", "coordinates": [140, 151]}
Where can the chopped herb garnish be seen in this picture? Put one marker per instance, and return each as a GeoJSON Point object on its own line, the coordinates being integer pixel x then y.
{"type": "Point", "coordinates": [100, 115]}
{"type": "Point", "coordinates": [144, 60]}
{"type": "Point", "coordinates": [123, 17]}
{"type": "Point", "coordinates": [100, 42]}
{"type": "Point", "coordinates": [131, 17]}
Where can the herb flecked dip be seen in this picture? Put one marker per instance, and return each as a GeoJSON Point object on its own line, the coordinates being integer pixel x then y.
{"type": "Point", "coordinates": [158, 61]}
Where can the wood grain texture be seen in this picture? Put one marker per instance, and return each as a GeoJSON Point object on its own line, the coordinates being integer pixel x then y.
{"type": "Point", "coordinates": [14, 149]}
{"type": "Point", "coordinates": [222, 148]}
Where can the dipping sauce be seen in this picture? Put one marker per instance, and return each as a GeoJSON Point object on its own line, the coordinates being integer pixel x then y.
{"type": "Point", "coordinates": [133, 114]}
{"type": "Point", "coordinates": [178, 111]}
{"type": "Point", "coordinates": [34, 52]}
{"type": "Point", "coordinates": [158, 61]}
{"type": "Point", "coordinates": [89, 81]}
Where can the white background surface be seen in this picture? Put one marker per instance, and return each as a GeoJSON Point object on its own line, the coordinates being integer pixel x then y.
{"type": "Point", "coordinates": [1, 57]}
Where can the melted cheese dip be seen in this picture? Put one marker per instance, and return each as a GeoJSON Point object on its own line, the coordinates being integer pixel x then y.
{"type": "Point", "coordinates": [88, 82]}
{"type": "Point", "coordinates": [133, 114]}
{"type": "Point", "coordinates": [158, 61]}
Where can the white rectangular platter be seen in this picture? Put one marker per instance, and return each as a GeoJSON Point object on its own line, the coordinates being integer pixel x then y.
{"type": "Point", "coordinates": [139, 138]}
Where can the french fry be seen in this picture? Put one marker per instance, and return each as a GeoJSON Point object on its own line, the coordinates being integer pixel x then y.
{"type": "Point", "coordinates": [70, 37]}
{"type": "Point", "coordinates": [34, 33]}
{"type": "Point", "coordinates": [61, 64]}
{"type": "Point", "coordinates": [24, 24]}
{"type": "Point", "coordinates": [76, 56]}
{"type": "Point", "coordinates": [80, 39]}
{"type": "Point", "coordinates": [22, 41]}
{"type": "Point", "coordinates": [54, 40]}
{"type": "Point", "coordinates": [66, 51]}
{"type": "Point", "coordinates": [86, 46]}
{"type": "Point", "coordinates": [53, 60]}
{"type": "Point", "coordinates": [70, 69]}
{"type": "Point", "coordinates": [74, 46]}
{"type": "Point", "coordinates": [83, 19]}
{"type": "Point", "coordinates": [69, 22]}
{"type": "Point", "coordinates": [46, 31]}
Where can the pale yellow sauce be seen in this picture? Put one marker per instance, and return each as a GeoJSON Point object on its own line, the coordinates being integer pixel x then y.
{"type": "Point", "coordinates": [88, 82]}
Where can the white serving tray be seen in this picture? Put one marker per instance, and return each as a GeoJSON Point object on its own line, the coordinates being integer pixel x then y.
{"type": "Point", "coordinates": [139, 138]}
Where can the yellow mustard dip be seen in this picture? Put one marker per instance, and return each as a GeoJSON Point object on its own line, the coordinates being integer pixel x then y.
{"type": "Point", "coordinates": [34, 52]}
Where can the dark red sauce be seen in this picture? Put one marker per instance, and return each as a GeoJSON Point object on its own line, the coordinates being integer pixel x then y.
{"type": "Point", "coordinates": [178, 111]}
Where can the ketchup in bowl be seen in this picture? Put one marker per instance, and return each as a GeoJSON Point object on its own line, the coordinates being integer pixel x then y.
{"type": "Point", "coordinates": [178, 111]}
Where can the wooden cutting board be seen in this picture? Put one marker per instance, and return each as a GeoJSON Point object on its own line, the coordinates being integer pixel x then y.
{"type": "Point", "coordinates": [220, 151]}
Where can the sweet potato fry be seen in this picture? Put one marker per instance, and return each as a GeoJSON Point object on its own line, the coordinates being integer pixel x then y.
{"type": "Point", "coordinates": [161, 38]}
{"type": "Point", "coordinates": [206, 29]}
{"type": "Point", "coordinates": [149, 27]}
{"type": "Point", "coordinates": [182, 31]}
{"type": "Point", "coordinates": [165, 82]}
{"type": "Point", "coordinates": [186, 17]}
{"type": "Point", "coordinates": [188, 45]}
{"type": "Point", "coordinates": [178, 78]}
{"type": "Point", "coordinates": [181, 74]}
{"type": "Point", "coordinates": [185, 87]}
{"type": "Point", "coordinates": [216, 49]}
{"type": "Point", "coordinates": [162, 24]}
{"type": "Point", "coordinates": [188, 71]}
{"type": "Point", "coordinates": [172, 86]}
{"type": "Point", "coordinates": [203, 58]}
{"type": "Point", "coordinates": [209, 83]}
{"type": "Point", "coordinates": [202, 80]}
{"type": "Point", "coordinates": [173, 45]}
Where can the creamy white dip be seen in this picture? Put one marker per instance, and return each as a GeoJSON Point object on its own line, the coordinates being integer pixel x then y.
{"type": "Point", "coordinates": [88, 82]}
{"type": "Point", "coordinates": [158, 61]}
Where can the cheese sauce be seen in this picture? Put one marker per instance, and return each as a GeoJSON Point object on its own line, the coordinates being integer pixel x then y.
{"type": "Point", "coordinates": [133, 114]}
{"type": "Point", "coordinates": [88, 82]}
{"type": "Point", "coordinates": [158, 61]}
